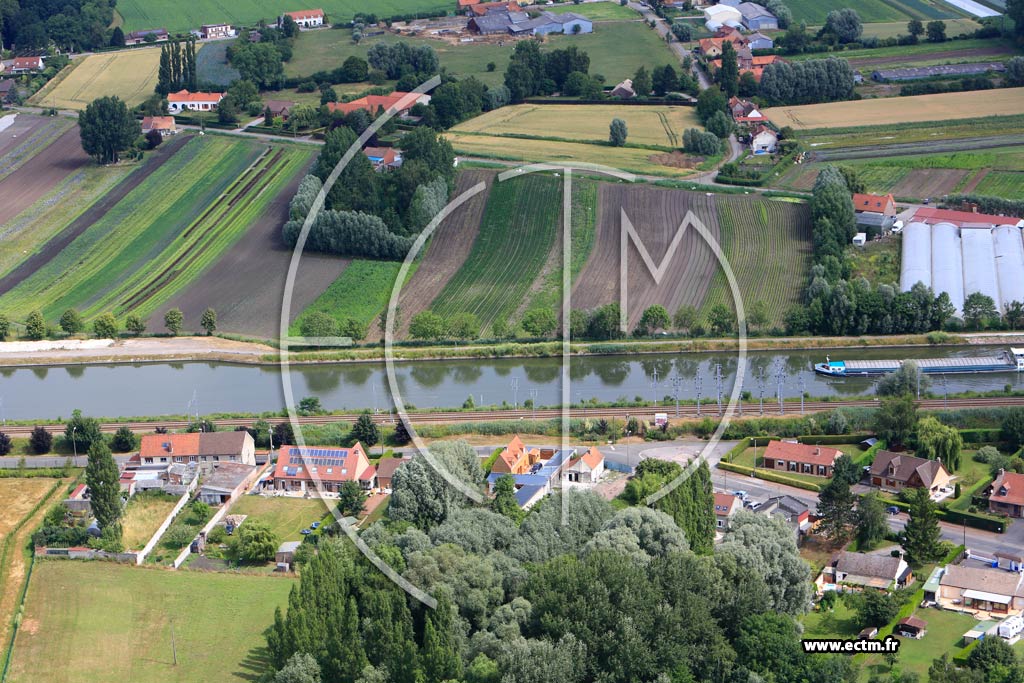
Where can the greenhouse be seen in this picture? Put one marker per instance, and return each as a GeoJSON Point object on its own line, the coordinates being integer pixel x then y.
{"type": "Point", "coordinates": [979, 264]}
{"type": "Point", "coordinates": [917, 256]}
{"type": "Point", "coordinates": [1009, 255]}
{"type": "Point", "coordinates": [947, 264]}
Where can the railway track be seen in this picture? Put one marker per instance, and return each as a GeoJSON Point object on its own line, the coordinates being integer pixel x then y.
{"type": "Point", "coordinates": [749, 409]}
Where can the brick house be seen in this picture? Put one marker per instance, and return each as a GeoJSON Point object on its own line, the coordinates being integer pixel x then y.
{"type": "Point", "coordinates": [883, 204]}
{"type": "Point", "coordinates": [162, 124]}
{"type": "Point", "coordinates": [726, 505]}
{"type": "Point", "coordinates": [376, 103]}
{"type": "Point", "coordinates": [799, 458]}
{"type": "Point", "coordinates": [299, 469]}
{"type": "Point", "coordinates": [516, 458]}
{"type": "Point", "coordinates": [981, 590]}
{"type": "Point", "coordinates": [586, 468]}
{"type": "Point", "coordinates": [157, 450]}
{"type": "Point", "coordinates": [897, 471]}
{"type": "Point", "coordinates": [1006, 494]}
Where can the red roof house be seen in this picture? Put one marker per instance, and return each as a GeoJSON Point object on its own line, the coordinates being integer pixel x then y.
{"type": "Point", "coordinates": [516, 458]}
{"type": "Point", "coordinates": [306, 18]}
{"type": "Point", "coordinates": [818, 461]}
{"type": "Point", "coordinates": [22, 64]}
{"type": "Point", "coordinates": [726, 505]}
{"type": "Point", "coordinates": [304, 469]}
{"type": "Point", "coordinates": [1006, 494]}
{"type": "Point", "coordinates": [403, 101]}
{"type": "Point", "coordinates": [194, 101]}
{"type": "Point", "coordinates": [931, 216]}
{"type": "Point", "coordinates": [586, 468]}
{"type": "Point", "coordinates": [883, 204]}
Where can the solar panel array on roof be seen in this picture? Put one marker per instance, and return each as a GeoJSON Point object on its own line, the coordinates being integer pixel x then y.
{"type": "Point", "coordinates": [319, 452]}
{"type": "Point", "coordinates": [291, 471]}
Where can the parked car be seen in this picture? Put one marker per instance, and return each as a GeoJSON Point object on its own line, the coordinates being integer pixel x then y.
{"type": "Point", "coordinates": [305, 532]}
{"type": "Point", "coordinates": [742, 495]}
{"type": "Point", "coordinates": [892, 510]}
{"type": "Point", "coordinates": [314, 525]}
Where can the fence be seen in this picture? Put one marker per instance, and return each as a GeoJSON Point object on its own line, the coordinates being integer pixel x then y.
{"type": "Point", "coordinates": [142, 554]}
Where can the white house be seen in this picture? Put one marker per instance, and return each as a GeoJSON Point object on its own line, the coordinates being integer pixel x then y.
{"type": "Point", "coordinates": [178, 102]}
{"type": "Point", "coordinates": [586, 468]}
{"type": "Point", "coordinates": [307, 18]}
{"type": "Point", "coordinates": [764, 140]}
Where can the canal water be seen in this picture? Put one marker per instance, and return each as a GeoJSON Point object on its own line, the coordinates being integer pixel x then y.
{"type": "Point", "coordinates": [179, 388]}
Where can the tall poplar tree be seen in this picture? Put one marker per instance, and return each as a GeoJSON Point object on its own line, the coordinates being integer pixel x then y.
{"type": "Point", "coordinates": [102, 478]}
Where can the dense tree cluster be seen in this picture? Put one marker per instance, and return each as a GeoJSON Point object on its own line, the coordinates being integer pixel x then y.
{"type": "Point", "coordinates": [807, 82]}
{"type": "Point", "coordinates": [369, 213]}
{"type": "Point", "coordinates": [72, 25]}
{"type": "Point", "coordinates": [107, 128]}
{"type": "Point", "coordinates": [844, 24]}
{"type": "Point", "coordinates": [531, 72]}
{"type": "Point", "coordinates": [400, 59]}
{"type": "Point", "coordinates": [697, 141]}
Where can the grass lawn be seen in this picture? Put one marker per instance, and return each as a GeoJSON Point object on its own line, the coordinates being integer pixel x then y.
{"type": "Point", "coordinates": [658, 126]}
{"type": "Point", "coordinates": [361, 293]}
{"type": "Point", "coordinates": [525, 150]}
{"type": "Point", "coordinates": [183, 16]}
{"type": "Point", "coordinates": [286, 516]}
{"type": "Point", "coordinates": [921, 51]}
{"type": "Point", "coordinates": [945, 634]}
{"type": "Point", "coordinates": [598, 11]}
{"type": "Point", "coordinates": [144, 513]}
{"type": "Point", "coordinates": [815, 11]}
{"type": "Point", "coordinates": [616, 50]}
{"type": "Point", "coordinates": [129, 74]}
{"type": "Point", "coordinates": [841, 622]}
{"type": "Point", "coordinates": [89, 621]}
{"type": "Point", "coordinates": [972, 477]}
{"type": "Point", "coordinates": [746, 458]}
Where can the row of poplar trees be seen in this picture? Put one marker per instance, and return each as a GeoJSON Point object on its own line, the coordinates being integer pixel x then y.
{"type": "Point", "coordinates": [177, 67]}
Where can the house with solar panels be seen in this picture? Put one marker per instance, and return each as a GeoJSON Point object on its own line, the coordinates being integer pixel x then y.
{"type": "Point", "coordinates": [300, 470]}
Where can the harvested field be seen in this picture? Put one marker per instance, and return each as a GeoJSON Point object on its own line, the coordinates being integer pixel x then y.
{"type": "Point", "coordinates": [41, 173]}
{"type": "Point", "coordinates": [246, 285]}
{"type": "Point", "coordinates": [449, 248]}
{"type": "Point", "coordinates": [92, 214]}
{"type": "Point", "coordinates": [20, 496]}
{"type": "Point", "coordinates": [25, 136]}
{"type": "Point", "coordinates": [129, 74]}
{"type": "Point", "coordinates": [800, 177]}
{"type": "Point", "coordinates": [880, 112]}
{"type": "Point", "coordinates": [658, 126]}
{"type": "Point", "coordinates": [656, 214]}
{"type": "Point", "coordinates": [519, 228]}
{"type": "Point", "coordinates": [88, 621]}
{"type": "Point", "coordinates": [929, 182]}
{"type": "Point", "coordinates": [768, 246]}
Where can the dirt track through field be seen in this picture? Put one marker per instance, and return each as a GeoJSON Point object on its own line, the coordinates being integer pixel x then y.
{"type": "Point", "coordinates": [40, 174]}
{"type": "Point", "coordinates": [246, 285]}
{"type": "Point", "coordinates": [656, 214]}
{"type": "Point", "coordinates": [90, 216]}
{"type": "Point", "coordinates": [861, 62]}
{"type": "Point", "coordinates": [449, 248]}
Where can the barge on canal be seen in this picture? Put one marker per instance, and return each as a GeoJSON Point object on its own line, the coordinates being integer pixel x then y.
{"type": "Point", "coordinates": [1004, 361]}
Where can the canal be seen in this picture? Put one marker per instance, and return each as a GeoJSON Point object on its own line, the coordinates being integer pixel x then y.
{"type": "Point", "coordinates": [179, 388]}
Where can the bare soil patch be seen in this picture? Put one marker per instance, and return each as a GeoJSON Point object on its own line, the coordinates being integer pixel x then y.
{"type": "Point", "coordinates": [90, 216]}
{"type": "Point", "coordinates": [40, 174]}
{"type": "Point", "coordinates": [861, 62]}
{"type": "Point", "coordinates": [448, 250]}
{"type": "Point", "coordinates": [16, 133]}
{"type": "Point", "coordinates": [927, 182]}
{"type": "Point", "coordinates": [675, 159]}
{"type": "Point", "coordinates": [656, 214]}
{"type": "Point", "coordinates": [246, 286]}
{"type": "Point", "coordinates": [973, 183]}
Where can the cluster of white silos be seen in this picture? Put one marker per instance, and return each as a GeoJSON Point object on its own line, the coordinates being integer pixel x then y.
{"type": "Point", "coordinates": [962, 261]}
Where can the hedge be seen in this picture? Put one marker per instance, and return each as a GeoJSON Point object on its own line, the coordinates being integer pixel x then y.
{"type": "Point", "coordinates": [904, 612]}
{"type": "Point", "coordinates": [832, 439]}
{"type": "Point", "coordinates": [960, 658]}
{"type": "Point", "coordinates": [973, 519]}
{"type": "Point", "coordinates": [768, 475]}
{"type": "Point", "coordinates": [981, 436]}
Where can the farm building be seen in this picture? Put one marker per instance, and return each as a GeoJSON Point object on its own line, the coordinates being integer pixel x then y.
{"type": "Point", "coordinates": [384, 158]}
{"type": "Point", "coordinates": [1006, 494]}
{"type": "Point", "coordinates": [215, 31]}
{"type": "Point", "coordinates": [876, 223]}
{"type": "Point", "coordinates": [498, 21]}
{"type": "Point", "coordinates": [884, 204]}
{"type": "Point", "coordinates": [178, 102]}
{"type": "Point", "coordinates": [801, 458]}
{"type": "Point", "coordinates": [759, 41]}
{"type": "Point", "coordinates": [756, 17]}
{"type": "Point", "coordinates": [483, 8]}
{"type": "Point", "coordinates": [162, 124]}
{"type": "Point", "coordinates": [897, 471]}
{"type": "Point", "coordinates": [624, 90]}
{"type": "Point", "coordinates": [717, 16]}
{"type": "Point", "coordinates": [307, 18]}
{"type": "Point", "coordinates": [301, 470]}
{"type": "Point", "coordinates": [8, 90]}
{"type": "Point", "coordinates": [764, 140]}
{"type": "Point", "coordinates": [228, 480]}
{"type": "Point", "coordinates": [711, 48]}
{"type": "Point", "coordinates": [964, 260]}
{"type": "Point", "coordinates": [159, 35]}
{"type": "Point", "coordinates": [373, 104]}
{"type": "Point", "coordinates": [919, 72]}
{"type": "Point", "coordinates": [933, 216]}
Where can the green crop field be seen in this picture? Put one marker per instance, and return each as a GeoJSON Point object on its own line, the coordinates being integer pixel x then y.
{"type": "Point", "coordinates": [893, 29]}
{"type": "Point", "coordinates": [815, 11]}
{"type": "Point", "coordinates": [164, 233]}
{"type": "Point", "coordinates": [519, 228]}
{"type": "Point", "coordinates": [90, 621]}
{"type": "Point", "coordinates": [616, 50]}
{"type": "Point", "coordinates": [184, 16]}
{"type": "Point", "coordinates": [361, 293]}
{"type": "Point", "coordinates": [919, 51]}
{"type": "Point", "coordinates": [212, 64]}
{"type": "Point", "coordinates": [768, 246]}
{"type": "Point", "coordinates": [1008, 184]}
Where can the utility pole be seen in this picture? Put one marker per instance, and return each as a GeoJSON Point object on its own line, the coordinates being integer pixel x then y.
{"type": "Point", "coordinates": [677, 382]}
{"type": "Point", "coordinates": [698, 387]}
{"type": "Point", "coordinates": [533, 397]}
{"type": "Point", "coordinates": [945, 392]}
{"type": "Point", "coordinates": [654, 387]}
{"type": "Point", "coordinates": [174, 647]}
{"type": "Point", "coordinates": [760, 388]}
{"type": "Point", "coordinates": [515, 393]}
{"type": "Point", "coordinates": [803, 391]}
{"type": "Point", "coordinates": [780, 378]}
{"type": "Point", "coordinates": [74, 443]}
